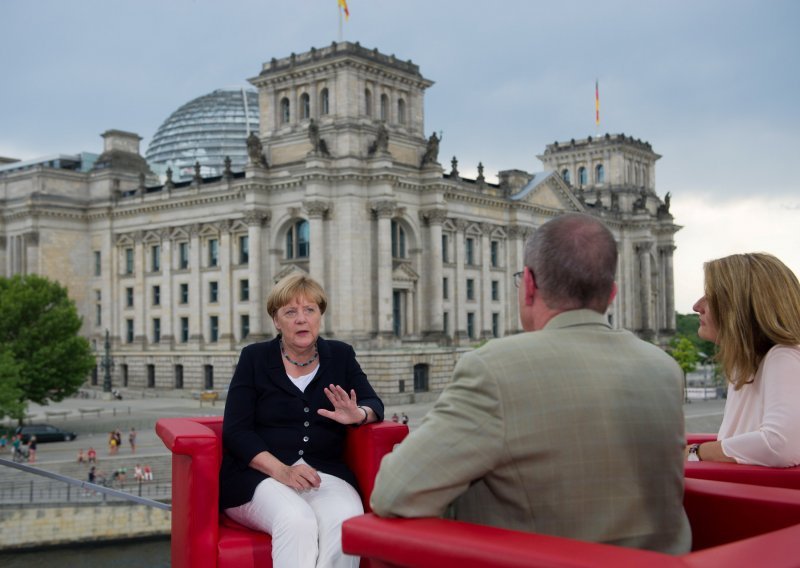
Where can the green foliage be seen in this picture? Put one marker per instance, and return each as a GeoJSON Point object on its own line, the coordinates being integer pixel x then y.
{"type": "Point", "coordinates": [42, 357]}
{"type": "Point", "coordinates": [684, 352]}
{"type": "Point", "coordinates": [687, 325]}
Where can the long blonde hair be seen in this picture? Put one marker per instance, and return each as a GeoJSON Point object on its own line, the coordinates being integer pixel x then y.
{"type": "Point", "coordinates": [755, 301]}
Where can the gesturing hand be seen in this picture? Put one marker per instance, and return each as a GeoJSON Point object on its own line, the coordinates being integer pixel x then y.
{"type": "Point", "coordinates": [301, 476]}
{"type": "Point", "coordinates": [345, 409]}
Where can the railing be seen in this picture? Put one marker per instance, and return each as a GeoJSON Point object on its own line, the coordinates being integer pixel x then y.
{"type": "Point", "coordinates": [63, 489]}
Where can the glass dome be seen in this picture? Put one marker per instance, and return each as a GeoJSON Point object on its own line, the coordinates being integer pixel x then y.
{"type": "Point", "coordinates": [205, 130]}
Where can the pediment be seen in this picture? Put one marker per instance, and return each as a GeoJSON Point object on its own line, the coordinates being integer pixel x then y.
{"type": "Point", "coordinates": [548, 191]}
{"type": "Point", "coordinates": [404, 273]}
{"type": "Point", "coordinates": [287, 270]}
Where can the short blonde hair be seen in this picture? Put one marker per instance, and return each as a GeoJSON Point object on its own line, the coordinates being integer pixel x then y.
{"type": "Point", "coordinates": [755, 301]}
{"type": "Point", "coordinates": [294, 286]}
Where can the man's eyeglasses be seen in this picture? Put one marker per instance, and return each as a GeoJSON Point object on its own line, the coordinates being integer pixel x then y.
{"type": "Point", "coordinates": [518, 277]}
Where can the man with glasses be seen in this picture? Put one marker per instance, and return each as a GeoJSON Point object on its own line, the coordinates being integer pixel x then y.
{"type": "Point", "coordinates": [571, 429]}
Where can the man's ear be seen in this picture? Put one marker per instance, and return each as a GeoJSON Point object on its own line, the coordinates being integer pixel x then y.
{"type": "Point", "coordinates": [529, 281]}
{"type": "Point", "coordinates": [613, 294]}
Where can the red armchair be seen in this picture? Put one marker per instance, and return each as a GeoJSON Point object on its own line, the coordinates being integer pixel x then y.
{"type": "Point", "coordinates": [732, 525]}
{"type": "Point", "coordinates": [201, 536]}
{"type": "Point", "coordinates": [788, 477]}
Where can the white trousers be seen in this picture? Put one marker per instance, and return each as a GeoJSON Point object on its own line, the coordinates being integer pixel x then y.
{"type": "Point", "coordinates": [306, 526]}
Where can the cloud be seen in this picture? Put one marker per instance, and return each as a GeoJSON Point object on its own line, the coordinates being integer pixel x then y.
{"type": "Point", "coordinates": [714, 228]}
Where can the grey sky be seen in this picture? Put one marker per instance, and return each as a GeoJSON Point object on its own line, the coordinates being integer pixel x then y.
{"type": "Point", "coordinates": [712, 85]}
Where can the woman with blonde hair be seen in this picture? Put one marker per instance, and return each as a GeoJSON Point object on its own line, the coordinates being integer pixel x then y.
{"type": "Point", "coordinates": [751, 310]}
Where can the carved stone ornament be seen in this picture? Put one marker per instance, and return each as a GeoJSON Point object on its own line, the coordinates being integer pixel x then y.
{"type": "Point", "coordinates": [257, 218]}
{"type": "Point", "coordinates": [384, 208]}
{"type": "Point", "coordinates": [462, 224]}
{"type": "Point", "coordinates": [32, 238]}
{"type": "Point", "coordinates": [434, 216]}
{"type": "Point", "coordinates": [255, 151]}
{"type": "Point", "coordinates": [381, 142]}
{"type": "Point", "coordinates": [316, 208]}
{"type": "Point", "coordinates": [431, 155]}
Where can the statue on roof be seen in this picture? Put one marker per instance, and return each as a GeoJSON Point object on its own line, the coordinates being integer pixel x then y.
{"type": "Point", "coordinates": [318, 145]}
{"type": "Point", "coordinates": [431, 155]}
{"type": "Point", "coordinates": [381, 142]}
{"type": "Point", "coordinates": [255, 151]}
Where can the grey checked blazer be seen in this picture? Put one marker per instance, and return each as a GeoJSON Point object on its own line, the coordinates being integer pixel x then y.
{"type": "Point", "coordinates": [575, 430]}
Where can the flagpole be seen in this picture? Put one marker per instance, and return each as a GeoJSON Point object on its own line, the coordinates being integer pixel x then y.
{"type": "Point", "coordinates": [339, 10]}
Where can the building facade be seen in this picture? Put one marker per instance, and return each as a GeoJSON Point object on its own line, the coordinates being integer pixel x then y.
{"type": "Point", "coordinates": [342, 184]}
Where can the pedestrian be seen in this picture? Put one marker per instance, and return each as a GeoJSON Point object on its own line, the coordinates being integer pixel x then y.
{"type": "Point", "coordinates": [92, 474]}
{"type": "Point", "coordinates": [118, 438]}
{"type": "Point", "coordinates": [404, 418]}
{"type": "Point", "coordinates": [138, 474]}
{"type": "Point", "coordinates": [32, 449]}
{"type": "Point", "coordinates": [148, 473]}
{"type": "Point", "coordinates": [91, 455]}
{"type": "Point", "coordinates": [395, 418]}
{"type": "Point", "coordinates": [16, 446]}
{"type": "Point", "coordinates": [81, 456]}
{"type": "Point", "coordinates": [112, 443]}
{"type": "Point", "coordinates": [3, 442]}
{"type": "Point", "coordinates": [132, 439]}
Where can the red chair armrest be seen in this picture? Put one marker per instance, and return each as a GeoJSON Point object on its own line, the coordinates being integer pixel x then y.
{"type": "Point", "coordinates": [700, 438]}
{"type": "Point", "coordinates": [365, 448]}
{"type": "Point", "coordinates": [195, 490]}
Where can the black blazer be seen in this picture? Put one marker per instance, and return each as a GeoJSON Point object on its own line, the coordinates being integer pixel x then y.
{"type": "Point", "coordinates": [264, 410]}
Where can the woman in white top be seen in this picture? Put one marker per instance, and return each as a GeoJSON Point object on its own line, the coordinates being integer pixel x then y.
{"type": "Point", "coordinates": [751, 310]}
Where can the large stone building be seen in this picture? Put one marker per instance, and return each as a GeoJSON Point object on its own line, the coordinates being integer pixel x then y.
{"type": "Point", "coordinates": [344, 184]}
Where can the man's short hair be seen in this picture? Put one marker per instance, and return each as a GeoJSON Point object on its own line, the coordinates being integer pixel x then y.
{"type": "Point", "coordinates": [573, 259]}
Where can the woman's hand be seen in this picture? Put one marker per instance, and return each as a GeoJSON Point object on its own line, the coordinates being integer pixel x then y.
{"type": "Point", "coordinates": [345, 409]}
{"type": "Point", "coordinates": [299, 477]}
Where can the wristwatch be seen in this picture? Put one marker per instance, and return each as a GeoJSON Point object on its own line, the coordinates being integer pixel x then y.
{"type": "Point", "coordinates": [694, 453]}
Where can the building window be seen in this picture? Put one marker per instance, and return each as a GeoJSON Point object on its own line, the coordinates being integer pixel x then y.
{"type": "Point", "coordinates": [244, 290]}
{"type": "Point", "coordinates": [97, 263]}
{"type": "Point", "coordinates": [470, 289]}
{"type": "Point", "coordinates": [325, 102]}
{"type": "Point", "coordinates": [129, 331]}
{"type": "Point", "coordinates": [446, 322]}
{"type": "Point", "coordinates": [183, 293]}
{"type": "Point", "coordinates": [128, 261]}
{"type": "Point", "coordinates": [495, 291]}
{"type": "Point", "coordinates": [401, 111]}
{"type": "Point", "coordinates": [178, 376]}
{"type": "Point", "coordinates": [470, 251]}
{"type": "Point", "coordinates": [398, 305]}
{"type": "Point", "coordinates": [582, 176]}
{"type": "Point", "coordinates": [183, 256]}
{"type": "Point", "coordinates": [398, 240]}
{"type": "Point", "coordinates": [599, 174]}
{"type": "Point", "coordinates": [213, 252]}
{"type": "Point", "coordinates": [128, 297]}
{"type": "Point", "coordinates": [151, 376]}
{"type": "Point", "coordinates": [368, 102]}
{"type": "Point", "coordinates": [421, 378]}
{"type": "Point", "coordinates": [495, 254]}
{"type": "Point", "coordinates": [124, 369]}
{"type": "Point", "coordinates": [244, 250]}
{"type": "Point", "coordinates": [445, 288]}
{"type": "Point", "coordinates": [445, 248]}
{"type": "Point", "coordinates": [495, 324]}
{"type": "Point", "coordinates": [155, 258]}
{"type": "Point", "coordinates": [284, 110]}
{"type": "Point", "coordinates": [213, 329]}
{"type": "Point", "coordinates": [305, 106]}
{"type": "Point", "coordinates": [208, 377]}
{"type": "Point", "coordinates": [565, 175]}
{"type": "Point", "coordinates": [384, 107]}
{"type": "Point", "coordinates": [156, 295]}
{"type": "Point", "coordinates": [213, 292]}
{"type": "Point", "coordinates": [156, 330]}
{"type": "Point", "coordinates": [98, 315]}
{"type": "Point", "coordinates": [184, 330]}
{"type": "Point", "coordinates": [244, 326]}
{"type": "Point", "coordinates": [471, 325]}
{"type": "Point", "coordinates": [297, 240]}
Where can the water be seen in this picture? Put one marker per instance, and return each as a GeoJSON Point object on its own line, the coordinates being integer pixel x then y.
{"type": "Point", "coordinates": [133, 554]}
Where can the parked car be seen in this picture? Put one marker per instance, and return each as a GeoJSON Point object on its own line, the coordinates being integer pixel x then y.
{"type": "Point", "coordinates": [44, 433]}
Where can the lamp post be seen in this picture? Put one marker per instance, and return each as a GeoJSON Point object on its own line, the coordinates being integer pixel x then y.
{"type": "Point", "coordinates": [107, 363]}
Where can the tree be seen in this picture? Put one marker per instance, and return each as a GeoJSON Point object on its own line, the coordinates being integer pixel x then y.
{"type": "Point", "coordinates": [686, 355]}
{"type": "Point", "coordinates": [42, 357]}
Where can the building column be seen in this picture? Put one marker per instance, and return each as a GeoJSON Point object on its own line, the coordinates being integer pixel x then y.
{"type": "Point", "coordinates": [31, 253]}
{"type": "Point", "coordinates": [645, 290]}
{"type": "Point", "coordinates": [226, 294]}
{"type": "Point", "coordinates": [258, 286]}
{"type": "Point", "coordinates": [434, 302]}
{"type": "Point", "coordinates": [460, 285]}
{"type": "Point", "coordinates": [167, 307]}
{"type": "Point", "coordinates": [384, 211]}
{"type": "Point", "coordinates": [4, 256]}
{"type": "Point", "coordinates": [196, 312]}
{"type": "Point", "coordinates": [667, 252]}
{"type": "Point", "coordinates": [515, 261]}
{"type": "Point", "coordinates": [139, 293]}
{"type": "Point", "coordinates": [317, 211]}
{"type": "Point", "coordinates": [486, 281]}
